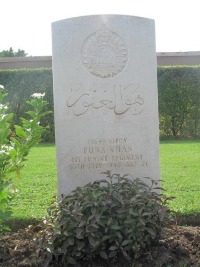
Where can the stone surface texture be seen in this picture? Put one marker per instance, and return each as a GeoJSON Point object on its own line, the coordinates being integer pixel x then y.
{"type": "Point", "coordinates": [105, 98]}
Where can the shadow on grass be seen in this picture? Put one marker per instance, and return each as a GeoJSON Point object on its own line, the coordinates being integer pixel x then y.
{"type": "Point", "coordinates": [179, 141]}
{"type": "Point", "coordinates": [190, 219]}
{"type": "Point", "coordinates": [16, 224]}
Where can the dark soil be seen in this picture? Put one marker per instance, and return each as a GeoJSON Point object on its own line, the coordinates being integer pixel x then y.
{"type": "Point", "coordinates": [180, 247]}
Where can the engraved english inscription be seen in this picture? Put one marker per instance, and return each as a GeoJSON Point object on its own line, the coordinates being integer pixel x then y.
{"type": "Point", "coordinates": [106, 154]}
{"type": "Point", "coordinates": [104, 53]}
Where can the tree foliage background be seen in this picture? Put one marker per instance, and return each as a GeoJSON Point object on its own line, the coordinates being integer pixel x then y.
{"type": "Point", "coordinates": [11, 53]}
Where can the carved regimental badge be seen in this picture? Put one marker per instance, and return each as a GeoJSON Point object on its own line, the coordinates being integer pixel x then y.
{"type": "Point", "coordinates": [104, 53]}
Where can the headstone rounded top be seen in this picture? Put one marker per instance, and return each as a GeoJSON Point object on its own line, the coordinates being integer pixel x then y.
{"type": "Point", "coordinates": [102, 17]}
{"type": "Point", "coordinates": [104, 53]}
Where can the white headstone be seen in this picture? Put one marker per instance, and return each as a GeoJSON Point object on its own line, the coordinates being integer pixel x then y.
{"type": "Point", "coordinates": [105, 98]}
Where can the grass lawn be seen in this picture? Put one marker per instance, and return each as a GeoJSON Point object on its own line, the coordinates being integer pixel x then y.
{"type": "Point", "coordinates": [179, 169]}
{"type": "Point", "coordinates": [37, 184]}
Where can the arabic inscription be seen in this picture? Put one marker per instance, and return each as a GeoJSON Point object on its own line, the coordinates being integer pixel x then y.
{"type": "Point", "coordinates": [120, 99]}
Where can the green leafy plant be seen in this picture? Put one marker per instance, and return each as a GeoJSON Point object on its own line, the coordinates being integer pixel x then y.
{"type": "Point", "coordinates": [15, 146]}
{"type": "Point", "coordinates": [20, 84]}
{"type": "Point", "coordinates": [107, 218]}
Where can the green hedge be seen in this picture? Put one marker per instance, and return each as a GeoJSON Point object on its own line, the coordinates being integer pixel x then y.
{"type": "Point", "coordinates": [178, 92]}
{"type": "Point", "coordinates": [179, 101]}
{"type": "Point", "coordinates": [20, 85]}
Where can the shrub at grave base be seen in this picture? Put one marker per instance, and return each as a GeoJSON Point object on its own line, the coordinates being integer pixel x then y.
{"type": "Point", "coordinates": [106, 219]}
